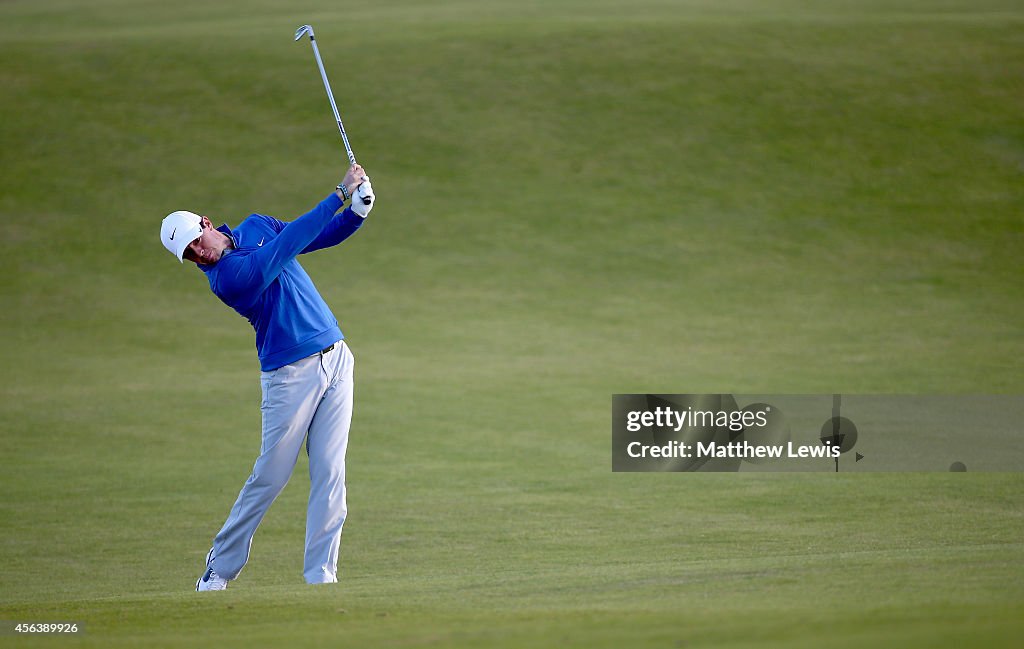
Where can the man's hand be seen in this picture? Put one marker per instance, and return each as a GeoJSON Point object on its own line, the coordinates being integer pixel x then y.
{"type": "Point", "coordinates": [353, 178]}
{"type": "Point", "coordinates": [360, 205]}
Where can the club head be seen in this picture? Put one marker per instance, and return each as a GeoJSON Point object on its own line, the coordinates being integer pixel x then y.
{"type": "Point", "coordinates": [302, 31]}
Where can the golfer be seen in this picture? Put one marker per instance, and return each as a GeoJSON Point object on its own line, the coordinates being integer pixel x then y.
{"type": "Point", "coordinates": [306, 366]}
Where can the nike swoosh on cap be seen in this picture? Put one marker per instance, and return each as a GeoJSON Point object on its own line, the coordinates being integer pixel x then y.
{"type": "Point", "coordinates": [172, 233]}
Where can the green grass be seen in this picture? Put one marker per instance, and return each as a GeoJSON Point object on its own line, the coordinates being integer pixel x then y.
{"type": "Point", "coordinates": [575, 199]}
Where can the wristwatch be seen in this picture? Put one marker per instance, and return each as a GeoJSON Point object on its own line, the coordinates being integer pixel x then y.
{"type": "Point", "coordinates": [344, 191]}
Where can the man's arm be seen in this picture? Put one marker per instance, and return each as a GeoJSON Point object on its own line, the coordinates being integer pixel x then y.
{"type": "Point", "coordinates": [341, 227]}
{"type": "Point", "coordinates": [344, 225]}
{"type": "Point", "coordinates": [252, 274]}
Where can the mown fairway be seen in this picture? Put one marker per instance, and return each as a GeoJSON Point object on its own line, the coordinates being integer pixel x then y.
{"type": "Point", "coordinates": [575, 199]}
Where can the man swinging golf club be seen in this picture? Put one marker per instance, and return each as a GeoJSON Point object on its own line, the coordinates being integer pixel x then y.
{"type": "Point", "coordinates": [306, 375]}
{"type": "Point", "coordinates": [306, 366]}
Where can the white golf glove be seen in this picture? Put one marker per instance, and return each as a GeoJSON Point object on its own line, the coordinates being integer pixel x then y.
{"type": "Point", "coordinates": [360, 205]}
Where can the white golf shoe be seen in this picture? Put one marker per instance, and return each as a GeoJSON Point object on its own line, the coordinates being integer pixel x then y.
{"type": "Point", "coordinates": [210, 579]}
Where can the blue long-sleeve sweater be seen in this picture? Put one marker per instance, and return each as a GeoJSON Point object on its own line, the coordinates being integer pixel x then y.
{"type": "Point", "coordinates": [261, 279]}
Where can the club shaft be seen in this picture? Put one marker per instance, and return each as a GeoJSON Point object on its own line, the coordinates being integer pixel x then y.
{"type": "Point", "coordinates": [330, 96]}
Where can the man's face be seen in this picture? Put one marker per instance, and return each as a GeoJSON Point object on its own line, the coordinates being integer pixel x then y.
{"type": "Point", "coordinates": [207, 248]}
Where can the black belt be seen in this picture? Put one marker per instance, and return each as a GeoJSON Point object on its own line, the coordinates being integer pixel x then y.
{"type": "Point", "coordinates": [327, 349]}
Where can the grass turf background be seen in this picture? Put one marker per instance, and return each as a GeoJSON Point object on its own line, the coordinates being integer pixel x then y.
{"type": "Point", "coordinates": [575, 199]}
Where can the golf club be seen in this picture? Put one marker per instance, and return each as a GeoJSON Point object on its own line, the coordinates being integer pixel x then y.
{"type": "Point", "coordinates": [299, 33]}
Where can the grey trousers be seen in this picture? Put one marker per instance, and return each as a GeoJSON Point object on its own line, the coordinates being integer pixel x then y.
{"type": "Point", "coordinates": [308, 401]}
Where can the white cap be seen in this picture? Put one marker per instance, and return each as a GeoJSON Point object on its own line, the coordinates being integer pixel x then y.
{"type": "Point", "coordinates": [180, 229]}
